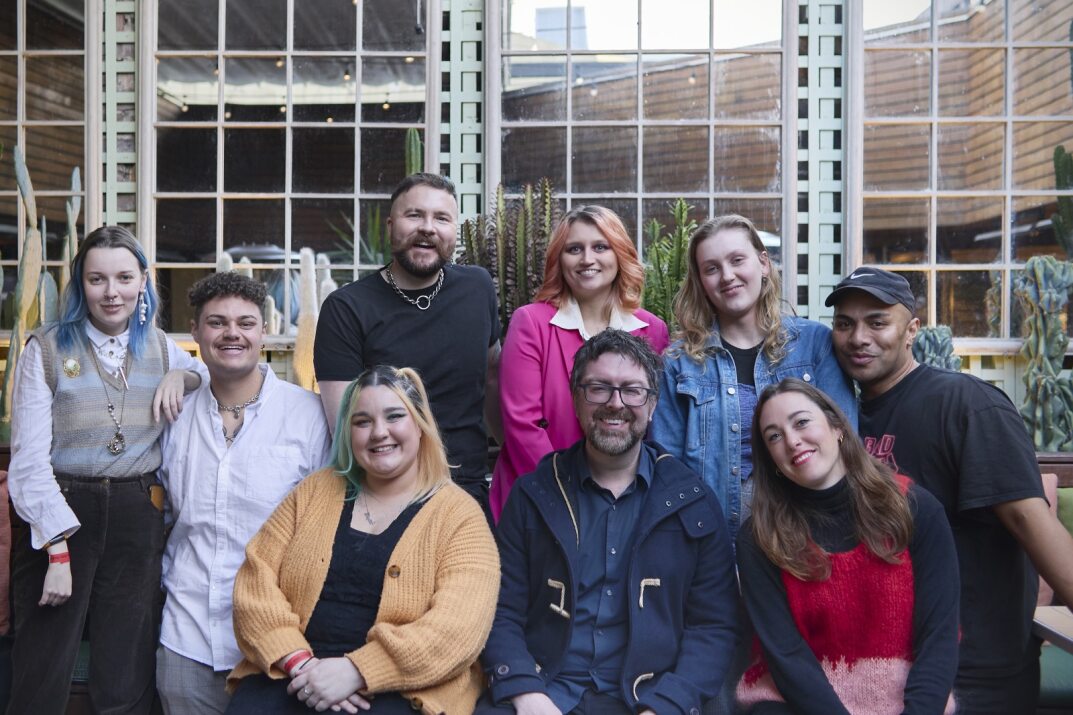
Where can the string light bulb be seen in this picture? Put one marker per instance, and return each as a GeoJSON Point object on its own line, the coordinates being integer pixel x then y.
{"type": "Point", "coordinates": [346, 74]}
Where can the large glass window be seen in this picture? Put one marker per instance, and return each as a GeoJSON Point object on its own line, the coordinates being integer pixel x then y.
{"type": "Point", "coordinates": [42, 110]}
{"type": "Point", "coordinates": [964, 105]}
{"type": "Point", "coordinates": [632, 103]}
{"type": "Point", "coordinates": [281, 125]}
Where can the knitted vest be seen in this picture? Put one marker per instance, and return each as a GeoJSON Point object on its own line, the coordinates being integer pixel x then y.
{"type": "Point", "coordinates": [81, 427]}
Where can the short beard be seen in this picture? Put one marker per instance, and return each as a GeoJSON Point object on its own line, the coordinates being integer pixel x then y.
{"type": "Point", "coordinates": [613, 444]}
{"type": "Point", "coordinates": [426, 271]}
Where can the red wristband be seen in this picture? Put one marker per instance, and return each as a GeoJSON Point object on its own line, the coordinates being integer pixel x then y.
{"type": "Point", "coordinates": [296, 660]}
{"type": "Point", "coordinates": [61, 558]}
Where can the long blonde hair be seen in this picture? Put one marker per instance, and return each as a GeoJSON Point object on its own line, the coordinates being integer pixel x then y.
{"type": "Point", "coordinates": [697, 317]}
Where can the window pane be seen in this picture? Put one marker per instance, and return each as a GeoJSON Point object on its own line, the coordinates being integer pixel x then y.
{"type": "Point", "coordinates": [968, 230]}
{"type": "Point", "coordinates": [605, 159]}
{"type": "Point", "coordinates": [1041, 82]}
{"type": "Point", "coordinates": [253, 160]}
{"type": "Point", "coordinates": [534, 88]}
{"type": "Point", "coordinates": [323, 161]}
{"type": "Point", "coordinates": [325, 25]}
{"type": "Point", "coordinates": [393, 90]}
{"type": "Point", "coordinates": [53, 209]}
{"type": "Point", "coordinates": [664, 25]}
{"type": "Point", "coordinates": [604, 87]}
{"type": "Point", "coordinates": [970, 156]}
{"type": "Point", "coordinates": [9, 82]}
{"type": "Point", "coordinates": [918, 285]}
{"type": "Point", "coordinates": [904, 22]}
{"type": "Point", "coordinates": [660, 210]}
{"type": "Point", "coordinates": [1041, 20]}
{"type": "Point", "coordinates": [173, 284]}
{"type": "Point", "coordinates": [675, 86]}
{"type": "Point", "coordinates": [526, 26]}
{"type": "Point", "coordinates": [747, 159]}
{"type": "Point", "coordinates": [55, 88]}
{"type": "Point", "coordinates": [626, 209]}
{"type": "Point", "coordinates": [747, 86]}
{"type": "Point", "coordinates": [897, 83]}
{"type": "Point", "coordinates": [383, 159]}
{"type": "Point", "coordinates": [393, 25]}
{"type": "Point", "coordinates": [9, 226]}
{"type": "Point", "coordinates": [185, 159]}
{"type": "Point", "coordinates": [8, 24]}
{"type": "Point", "coordinates": [676, 159]}
{"type": "Point", "coordinates": [896, 156]}
{"type": "Point", "coordinates": [323, 89]}
{"type": "Point", "coordinates": [256, 24]}
{"type": "Point", "coordinates": [972, 22]}
{"type": "Point", "coordinates": [1033, 152]}
{"type": "Point", "coordinates": [375, 247]}
{"type": "Point", "coordinates": [959, 297]}
{"type": "Point", "coordinates": [324, 225]}
{"type": "Point", "coordinates": [255, 90]}
{"type": "Point", "coordinates": [747, 23]}
{"type": "Point", "coordinates": [254, 229]}
{"type": "Point", "coordinates": [1032, 228]}
{"type": "Point", "coordinates": [530, 154]}
{"type": "Point", "coordinates": [601, 25]}
{"type": "Point", "coordinates": [185, 230]}
{"type": "Point", "coordinates": [766, 215]}
{"type": "Point", "coordinates": [7, 165]}
{"type": "Point", "coordinates": [51, 154]}
{"type": "Point", "coordinates": [971, 82]}
{"type": "Point", "coordinates": [187, 24]}
{"type": "Point", "coordinates": [55, 25]}
{"type": "Point", "coordinates": [895, 230]}
{"type": "Point", "coordinates": [187, 89]}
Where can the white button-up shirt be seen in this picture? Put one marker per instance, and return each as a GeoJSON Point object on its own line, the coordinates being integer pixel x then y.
{"type": "Point", "coordinates": [219, 496]}
{"type": "Point", "coordinates": [568, 317]}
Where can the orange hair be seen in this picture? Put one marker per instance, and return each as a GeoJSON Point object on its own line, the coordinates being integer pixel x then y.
{"type": "Point", "coordinates": [630, 281]}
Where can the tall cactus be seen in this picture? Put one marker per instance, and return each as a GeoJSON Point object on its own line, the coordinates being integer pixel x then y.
{"type": "Point", "coordinates": [70, 242]}
{"type": "Point", "coordinates": [414, 152]}
{"type": "Point", "coordinates": [665, 259]}
{"type": "Point", "coordinates": [935, 346]}
{"type": "Point", "coordinates": [307, 320]}
{"type": "Point", "coordinates": [1043, 292]}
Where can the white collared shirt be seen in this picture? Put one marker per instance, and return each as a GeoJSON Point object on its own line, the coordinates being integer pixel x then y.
{"type": "Point", "coordinates": [568, 317]}
{"type": "Point", "coordinates": [217, 499]}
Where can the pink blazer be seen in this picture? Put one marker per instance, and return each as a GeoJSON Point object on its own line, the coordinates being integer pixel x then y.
{"type": "Point", "coordinates": [534, 391]}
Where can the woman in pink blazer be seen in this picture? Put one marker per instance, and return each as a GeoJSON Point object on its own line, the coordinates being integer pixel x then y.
{"type": "Point", "coordinates": [592, 281]}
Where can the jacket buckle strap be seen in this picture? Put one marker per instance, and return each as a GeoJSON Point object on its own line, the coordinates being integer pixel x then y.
{"type": "Point", "coordinates": [654, 582]}
{"type": "Point", "coordinates": [560, 607]}
{"type": "Point", "coordinates": [640, 679]}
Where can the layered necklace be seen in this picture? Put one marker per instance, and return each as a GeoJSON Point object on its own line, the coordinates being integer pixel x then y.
{"type": "Point", "coordinates": [422, 302]}
{"type": "Point", "coordinates": [237, 412]}
{"type": "Point", "coordinates": [118, 443]}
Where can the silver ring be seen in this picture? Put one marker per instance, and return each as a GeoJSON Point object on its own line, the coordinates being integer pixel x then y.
{"type": "Point", "coordinates": [307, 691]}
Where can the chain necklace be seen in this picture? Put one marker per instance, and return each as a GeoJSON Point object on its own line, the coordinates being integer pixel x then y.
{"type": "Point", "coordinates": [236, 410]}
{"type": "Point", "coordinates": [118, 444]}
{"type": "Point", "coordinates": [422, 302]}
{"type": "Point", "coordinates": [368, 514]}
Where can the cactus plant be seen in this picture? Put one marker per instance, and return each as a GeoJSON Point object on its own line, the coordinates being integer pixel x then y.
{"type": "Point", "coordinates": [244, 267]}
{"type": "Point", "coordinates": [935, 346]}
{"type": "Point", "coordinates": [414, 152]}
{"type": "Point", "coordinates": [325, 283]}
{"type": "Point", "coordinates": [307, 320]}
{"type": "Point", "coordinates": [1043, 292]}
{"type": "Point", "coordinates": [1062, 220]}
{"type": "Point", "coordinates": [666, 258]}
{"type": "Point", "coordinates": [511, 242]}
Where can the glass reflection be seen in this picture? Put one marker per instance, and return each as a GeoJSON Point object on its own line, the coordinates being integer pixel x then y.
{"type": "Point", "coordinates": [185, 159]}
{"type": "Point", "coordinates": [7, 168]}
{"type": "Point", "coordinates": [256, 24]}
{"type": "Point", "coordinates": [625, 208]}
{"type": "Point", "coordinates": [254, 228]}
{"type": "Point", "coordinates": [959, 296]}
{"type": "Point", "coordinates": [1037, 87]}
{"type": "Point", "coordinates": [747, 159]}
{"type": "Point", "coordinates": [324, 226]}
{"type": "Point", "coordinates": [393, 25]}
{"type": "Point", "coordinates": [323, 89]}
{"type": "Point", "coordinates": [1033, 152]}
{"type": "Point", "coordinates": [896, 156]}
{"type": "Point", "coordinates": [747, 86]}
{"type": "Point", "coordinates": [55, 87]}
{"type": "Point", "coordinates": [604, 87]}
{"type": "Point", "coordinates": [971, 156]}
{"type": "Point", "coordinates": [972, 22]}
{"type": "Point", "coordinates": [532, 153]}
{"type": "Point", "coordinates": [897, 83]}
{"type": "Point", "coordinates": [918, 285]}
{"type": "Point", "coordinates": [52, 25]}
{"type": "Point", "coordinates": [1041, 20]}
{"type": "Point", "coordinates": [766, 215]}
{"type": "Point", "coordinates": [392, 90]}
{"type": "Point", "coordinates": [185, 229]}
{"type": "Point", "coordinates": [323, 160]}
{"type": "Point", "coordinates": [534, 88]}
{"type": "Point", "coordinates": [187, 89]}
{"type": "Point", "coordinates": [675, 159]}
{"type": "Point", "coordinates": [968, 230]}
{"type": "Point", "coordinates": [903, 22]}
{"type": "Point", "coordinates": [9, 82]}
{"type": "Point", "coordinates": [254, 160]}
{"type": "Point", "coordinates": [382, 152]}
{"type": "Point", "coordinates": [325, 25]}
{"type": "Point", "coordinates": [53, 210]}
{"type": "Point", "coordinates": [663, 24]}
{"type": "Point", "coordinates": [534, 25]}
{"type": "Point", "coordinates": [747, 23]}
{"type": "Point", "coordinates": [895, 230]}
{"type": "Point", "coordinates": [375, 245]}
{"type": "Point", "coordinates": [173, 284]}
{"type": "Point", "coordinates": [187, 24]}
{"type": "Point", "coordinates": [605, 159]}
{"type": "Point", "coordinates": [255, 90]}
{"type": "Point", "coordinates": [52, 153]}
{"type": "Point", "coordinates": [1032, 230]}
{"type": "Point", "coordinates": [675, 86]}
{"type": "Point", "coordinates": [8, 24]}
{"type": "Point", "coordinates": [972, 82]}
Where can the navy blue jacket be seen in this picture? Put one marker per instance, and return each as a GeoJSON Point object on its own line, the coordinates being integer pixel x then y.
{"type": "Point", "coordinates": [681, 587]}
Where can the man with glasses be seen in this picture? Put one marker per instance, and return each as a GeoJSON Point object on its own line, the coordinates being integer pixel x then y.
{"type": "Point", "coordinates": [618, 581]}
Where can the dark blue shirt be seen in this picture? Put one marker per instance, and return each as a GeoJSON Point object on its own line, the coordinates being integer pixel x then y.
{"type": "Point", "coordinates": [598, 642]}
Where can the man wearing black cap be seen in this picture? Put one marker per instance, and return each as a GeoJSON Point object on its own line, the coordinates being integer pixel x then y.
{"type": "Point", "coordinates": [963, 440]}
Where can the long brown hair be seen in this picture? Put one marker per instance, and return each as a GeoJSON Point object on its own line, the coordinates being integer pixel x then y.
{"type": "Point", "coordinates": [630, 281]}
{"type": "Point", "coordinates": [880, 507]}
{"type": "Point", "coordinates": [697, 318]}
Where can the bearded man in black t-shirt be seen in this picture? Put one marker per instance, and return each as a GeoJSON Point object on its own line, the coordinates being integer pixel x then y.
{"type": "Point", "coordinates": [964, 441]}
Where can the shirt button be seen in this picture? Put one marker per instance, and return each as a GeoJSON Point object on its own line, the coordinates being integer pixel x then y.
{"type": "Point", "coordinates": [806, 377]}
{"type": "Point", "coordinates": [542, 424]}
{"type": "Point", "coordinates": [393, 571]}
{"type": "Point", "coordinates": [599, 633]}
{"type": "Point", "coordinates": [613, 552]}
{"type": "Point", "coordinates": [734, 427]}
{"type": "Point", "coordinates": [731, 391]}
{"type": "Point", "coordinates": [502, 669]}
{"type": "Point", "coordinates": [417, 704]}
{"type": "Point", "coordinates": [668, 502]}
{"type": "Point", "coordinates": [608, 592]}
{"type": "Point", "coordinates": [700, 524]}
{"type": "Point", "coordinates": [734, 470]}
{"type": "Point", "coordinates": [696, 490]}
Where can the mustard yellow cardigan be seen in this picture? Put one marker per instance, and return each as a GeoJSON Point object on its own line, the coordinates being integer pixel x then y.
{"type": "Point", "coordinates": [436, 609]}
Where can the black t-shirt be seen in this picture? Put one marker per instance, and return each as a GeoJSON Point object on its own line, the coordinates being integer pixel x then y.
{"type": "Point", "coordinates": [744, 362]}
{"type": "Point", "coordinates": [962, 439]}
{"type": "Point", "coordinates": [365, 324]}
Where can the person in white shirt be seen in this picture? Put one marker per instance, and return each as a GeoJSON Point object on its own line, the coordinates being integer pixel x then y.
{"type": "Point", "coordinates": [242, 441]}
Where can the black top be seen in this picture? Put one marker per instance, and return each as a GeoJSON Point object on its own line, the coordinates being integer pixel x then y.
{"type": "Point", "coordinates": [744, 362]}
{"type": "Point", "coordinates": [350, 597]}
{"type": "Point", "coordinates": [964, 441]}
{"type": "Point", "coordinates": [796, 671]}
{"type": "Point", "coordinates": [366, 323]}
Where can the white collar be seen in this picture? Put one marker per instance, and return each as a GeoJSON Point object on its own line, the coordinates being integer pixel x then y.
{"type": "Point", "coordinates": [568, 317]}
{"type": "Point", "coordinates": [101, 339]}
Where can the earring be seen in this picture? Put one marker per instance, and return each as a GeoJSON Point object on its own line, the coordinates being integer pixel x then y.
{"type": "Point", "coordinates": [143, 308]}
{"type": "Point", "coordinates": [841, 437]}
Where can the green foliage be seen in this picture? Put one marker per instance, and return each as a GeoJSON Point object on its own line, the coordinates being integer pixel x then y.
{"type": "Point", "coordinates": [511, 243]}
{"type": "Point", "coordinates": [374, 246]}
{"type": "Point", "coordinates": [666, 261]}
{"type": "Point", "coordinates": [414, 152]}
{"type": "Point", "coordinates": [935, 346]}
{"type": "Point", "coordinates": [1043, 292]}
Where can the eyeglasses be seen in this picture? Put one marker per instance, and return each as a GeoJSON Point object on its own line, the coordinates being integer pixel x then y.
{"type": "Point", "coordinates": [597, 393]}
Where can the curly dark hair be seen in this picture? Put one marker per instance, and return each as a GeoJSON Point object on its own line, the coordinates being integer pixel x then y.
{"type": "Point", "coordinates": [621, 343]}
{"type": "Point", "coordinates": [225, 285]}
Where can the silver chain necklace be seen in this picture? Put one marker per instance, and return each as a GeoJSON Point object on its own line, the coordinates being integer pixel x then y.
{"type": "Point", "coordinates": [236, 409]}
{"type": "Point", "coordinates": [118, 444]}
{"type": "Point", "coordinates": [422, 302]}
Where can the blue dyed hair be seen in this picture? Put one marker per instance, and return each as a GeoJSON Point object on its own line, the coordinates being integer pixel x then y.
{"type": "Point", "coordinates": [71, 328]}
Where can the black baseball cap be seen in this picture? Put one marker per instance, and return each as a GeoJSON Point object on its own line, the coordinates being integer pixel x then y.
{"type": "Point", "coordinates": [888, 287]}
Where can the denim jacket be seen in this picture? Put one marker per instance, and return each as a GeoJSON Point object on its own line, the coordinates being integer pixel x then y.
{"type": "Point", "coordinates": [698, 418]}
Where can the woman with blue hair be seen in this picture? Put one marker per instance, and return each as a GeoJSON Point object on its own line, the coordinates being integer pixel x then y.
{"type": "Point", "coordinates": [89, 393]}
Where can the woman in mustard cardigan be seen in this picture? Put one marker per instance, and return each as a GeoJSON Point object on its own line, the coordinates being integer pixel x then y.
{"type": "Point", "coordinates": [375, 581]}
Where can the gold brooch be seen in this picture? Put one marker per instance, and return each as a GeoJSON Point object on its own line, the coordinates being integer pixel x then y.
{"type": "Point", "coordinates": [71, 368]}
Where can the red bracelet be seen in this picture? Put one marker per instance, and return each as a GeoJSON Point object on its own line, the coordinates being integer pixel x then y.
{"type": "Point", "coordinates": [61, 558]}
{"type": "Point", "coordinates": [296, 660]}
